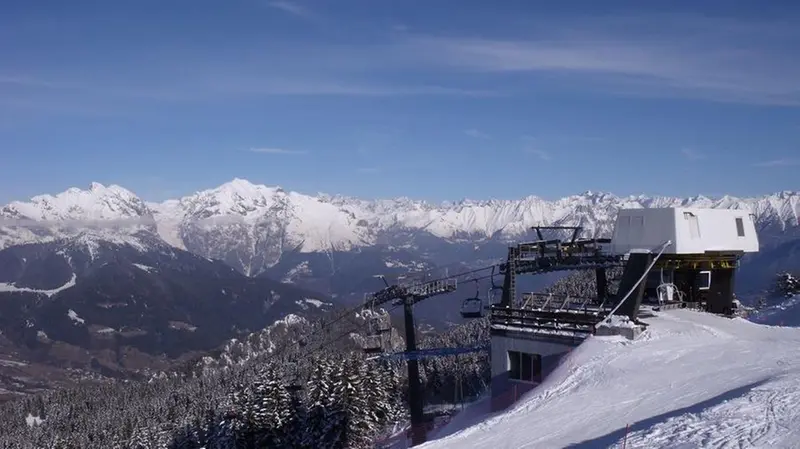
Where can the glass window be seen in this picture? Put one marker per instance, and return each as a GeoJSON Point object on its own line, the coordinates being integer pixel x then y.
{"type": "Point", "coordinates": [525, 367]}
{"type": "Point", "coordinates": [739, 227]}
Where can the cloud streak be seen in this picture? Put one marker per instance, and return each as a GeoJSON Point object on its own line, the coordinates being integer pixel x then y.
{"type": "Point", "coordinates": [369, 170]}
{"type": "Point", "coordinates": [541, 154]}
{"type": "Point", "coordinates": [275, 150]}
{"type": "Point", "coordinates": [147, 221]}
{"type": "Point", "coordinates": [292, 8]}
{"type": "Point", "coordinates": [476, 134]}
{"type": "Point", "coordinates": [650, 56]}
{"type": "Point", "coordinates": [692, 155]}
{"type": "Point", "coordinates": [778, 163]}
{"type": "Point", "coordinates": [661, 56]}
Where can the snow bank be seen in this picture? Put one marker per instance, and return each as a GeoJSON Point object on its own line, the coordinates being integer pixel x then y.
{"type": "Point", "coordinates": [693, 380]}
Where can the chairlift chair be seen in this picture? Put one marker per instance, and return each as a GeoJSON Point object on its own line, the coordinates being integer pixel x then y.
{"type": "Point", "coordinates": [495, 294]}
{"type": "Point", "coordinates": [473, 307]}
{"type": "Point", "coordinates": [381, 323]}
{"type": "Point", "coordinates": [376, 325]}
{"type": "Point", "coordinates": [372, 344]}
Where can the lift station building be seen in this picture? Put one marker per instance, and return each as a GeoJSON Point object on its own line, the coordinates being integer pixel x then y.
{"type": "Point", "coordinates": [669, 257]}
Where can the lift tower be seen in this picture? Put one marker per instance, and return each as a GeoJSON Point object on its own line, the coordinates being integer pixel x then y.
{"type": "Point", "coordinates": [408, 295]}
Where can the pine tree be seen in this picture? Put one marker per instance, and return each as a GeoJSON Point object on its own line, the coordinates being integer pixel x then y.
{"type": "Point", "coordinates": [319, 401]}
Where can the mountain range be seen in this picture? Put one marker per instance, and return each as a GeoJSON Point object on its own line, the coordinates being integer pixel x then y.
{"type": "Point", "coordinates": [252, 227]}
{"type": "Point", "coordinates": [102, 282]}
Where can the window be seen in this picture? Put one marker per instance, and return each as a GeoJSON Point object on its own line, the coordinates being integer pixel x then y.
{"type": "Point", "coordinates": [739, 227]}
{"type": "Point", "coordinates": [525, 367]}
{"type": "Point", "coordinates": [704, 280]}
{"type": "Point", "coordinates": [637, 230]}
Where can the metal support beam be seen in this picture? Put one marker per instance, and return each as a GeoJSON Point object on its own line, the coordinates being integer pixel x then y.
{"type": "Point", "coordinates": [509, 284]}
{"type": "Point", "coordinates": [602, 284]}
{"type": "Point", "coordinates": [415, 400]}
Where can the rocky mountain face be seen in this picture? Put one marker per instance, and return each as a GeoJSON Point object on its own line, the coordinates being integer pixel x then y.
{"type": "Point", "coordinates": [116, 306]}
{"type": "Point", "coordinates": [332, 242]}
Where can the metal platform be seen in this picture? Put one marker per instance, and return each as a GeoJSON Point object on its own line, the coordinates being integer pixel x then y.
{"type": "Point", "coordinates": [432, 288]}
{"type": "Point", "coordinates": [416, 292]}
{"type": "Point", "coordinates": [433, 352]}
{"type": "Point", "coordinates": [580, 322]}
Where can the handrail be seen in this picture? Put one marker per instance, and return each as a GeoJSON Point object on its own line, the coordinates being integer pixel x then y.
{"type": "Point", "coordinates": [644, 275]}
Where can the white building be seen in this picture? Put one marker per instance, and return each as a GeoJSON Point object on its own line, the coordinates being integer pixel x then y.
{"type": "Point", "coordinates": [691, 230]}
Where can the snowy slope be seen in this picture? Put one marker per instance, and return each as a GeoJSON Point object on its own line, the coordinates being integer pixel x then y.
{"type": "Point", "coordinates": [694, 380]}
{"type": "Point", "coordinates": [251, 226]}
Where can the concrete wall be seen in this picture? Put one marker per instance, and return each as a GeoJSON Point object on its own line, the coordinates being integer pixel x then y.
{"type": "Point", "coordinates": [506, 391]}
{"type": "Point", "coordinates": [692, 230]}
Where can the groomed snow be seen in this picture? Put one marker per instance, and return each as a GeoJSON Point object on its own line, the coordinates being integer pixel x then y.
{"type": "Point", "coordinates": [692, 380]}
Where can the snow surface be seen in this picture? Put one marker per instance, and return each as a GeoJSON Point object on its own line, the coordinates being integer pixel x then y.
{"type": "Point", "coordinates": [145, 268]}
{"type": "Point", "coordinates": [10, 287]}
{"type": "Point", "coordinates": [316, 302]}
{"type": "Point", "coordinates": [692, 380]}
{"type": "Point", "coordinates": [74, 317]}
{"type": "Point", "coordinates": [33, 420]}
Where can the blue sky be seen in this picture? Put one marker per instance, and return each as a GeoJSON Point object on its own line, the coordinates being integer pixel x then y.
{"type": "Point", "coordinates": [431, 99]}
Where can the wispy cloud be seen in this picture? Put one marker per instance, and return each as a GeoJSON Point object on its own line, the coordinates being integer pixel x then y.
{"type": "Point", "coordinates": [273, 150]}
{"type": "Point", "coordinates": [692, 155]}
{"type": "Point", "coordinates": [778, 163]}
{"type": "Point", "coordinates": [369, 170]}
{"type": "Point", "coordinates": [292, 8]}
{"type": "Point", "coordinates": [221, 86]}
{"type": "Point", "coordinates": [541, 154]}
{"type": "Point", "coordinates": [476, 134]}
{"type": "Point", "coordinates": [648, 56]}
{"type": "Point", "coordinates": [721, 60]}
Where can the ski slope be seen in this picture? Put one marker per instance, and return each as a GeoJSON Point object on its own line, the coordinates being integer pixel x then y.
{"type": "Point", "coordinates": [693, 380]}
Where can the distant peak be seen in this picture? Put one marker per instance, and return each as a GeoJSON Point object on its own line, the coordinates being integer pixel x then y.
{"type": "Point", "coordinates": [240, 182]}
{"type": "Point", "coordinates": [95, 186]}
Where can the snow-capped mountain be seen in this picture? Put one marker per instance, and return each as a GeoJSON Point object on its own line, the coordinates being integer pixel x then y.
{"type": "Point", "coordinates": [253, 227]}
{"type": "Point", "coordinates": [110, 211]}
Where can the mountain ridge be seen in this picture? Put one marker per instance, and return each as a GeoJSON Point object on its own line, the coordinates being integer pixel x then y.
{"type": "Point", "coordinates": [251, 226]}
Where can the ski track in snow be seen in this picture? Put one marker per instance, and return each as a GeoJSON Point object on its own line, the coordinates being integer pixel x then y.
{"type": "Point", "coordinates": [693, 380]}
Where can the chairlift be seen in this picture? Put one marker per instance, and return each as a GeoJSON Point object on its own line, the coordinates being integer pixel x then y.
{"type": "Point", "coordinates": [377, 326]}
{"type": "Point", "coordinates": [372, 344]}
{"type": "Point", "coordinates": [473, 307]}
{"type": "Point", "coordinates": [495, 293]}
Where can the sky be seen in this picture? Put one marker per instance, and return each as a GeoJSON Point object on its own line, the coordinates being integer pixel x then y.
{"type": "Point", "coordinates": [429, 99]}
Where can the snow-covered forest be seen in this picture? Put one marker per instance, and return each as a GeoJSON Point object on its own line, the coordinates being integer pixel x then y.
{"type": "Point", "coordinates": [287, 386]}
